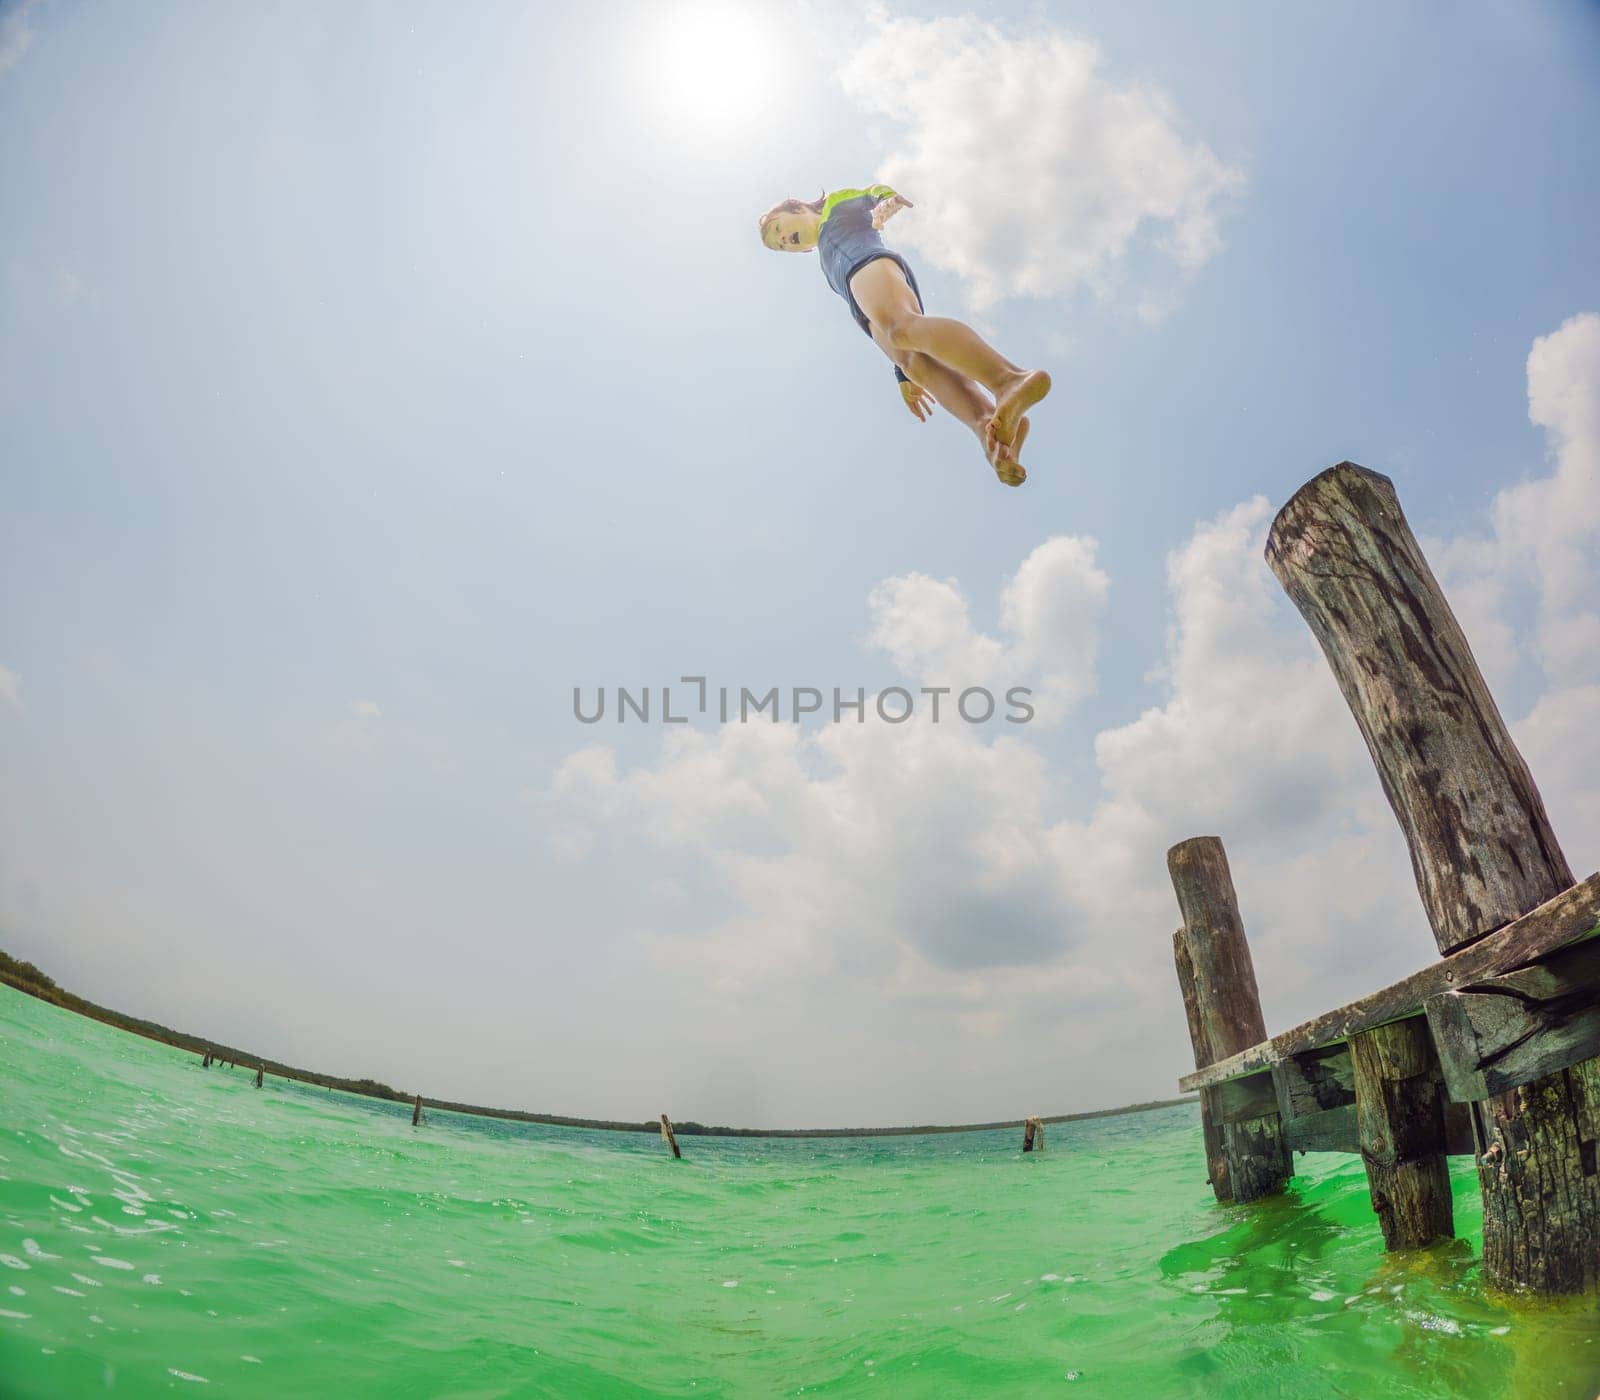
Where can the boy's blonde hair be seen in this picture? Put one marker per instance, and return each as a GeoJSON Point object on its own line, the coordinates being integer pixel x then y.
{"type": "Point", "coordinates": [790, 206]}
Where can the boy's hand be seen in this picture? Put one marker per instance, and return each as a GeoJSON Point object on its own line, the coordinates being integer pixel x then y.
{"type": "Point", "coordinates": [888, 208]}
{"type": "Point", "coordinates": [918, 400]}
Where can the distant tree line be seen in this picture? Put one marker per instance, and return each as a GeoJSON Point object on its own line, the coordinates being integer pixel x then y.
{"type": "Point", "coordinates": [25, 977]}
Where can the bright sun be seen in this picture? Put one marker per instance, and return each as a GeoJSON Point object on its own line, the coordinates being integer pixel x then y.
{"type": "Point", "coordinates": [707, 67]}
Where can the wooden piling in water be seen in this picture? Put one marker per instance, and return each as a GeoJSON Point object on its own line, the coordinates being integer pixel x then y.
{"type": "Point", "coordinates": [1210, 1132]}
{"type": "Point", "coordinates": [261, 1074]}
{"type": "Point", "coordinates": [668, 1136]}
{"type": "Point", "coordinates": [1482, 848]}
{"type": "Point", "coordinates": [1227, 1008]}
{"type": "Point", "coordinates": [416, 1112]}
{"type": "Point", "coordinates": [1400, 1120]}
{"type": "Point", "coordinates": [1033, 1134]}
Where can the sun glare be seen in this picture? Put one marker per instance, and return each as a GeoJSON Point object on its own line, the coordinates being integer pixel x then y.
{"type": "Point", "coordinates": [709, 67]}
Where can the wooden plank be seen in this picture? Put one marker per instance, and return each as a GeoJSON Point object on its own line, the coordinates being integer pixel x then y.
{"type": "Point", "coordinates": [1330, 1130]}
{"type": "Point", "coordinates": [1334, 1130]}
{"type": "Point", "coordinates": [1571, 916]}
{"type": "Point", "coordinates": [1511, 1030]}
{"type": "Point", "coordinates": [1240, 1100]}
{"type": "Point", "coordinates": [1314, 1081]}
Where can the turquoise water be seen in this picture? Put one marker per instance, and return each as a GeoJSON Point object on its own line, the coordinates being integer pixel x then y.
{"type": "Point", "coordinates": [168, 1228]}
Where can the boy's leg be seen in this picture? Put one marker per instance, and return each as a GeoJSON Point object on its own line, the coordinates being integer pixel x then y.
{"type": "Point", "coordinates": [883, 294]}
{"type": "Point", "coordinates": [963, 400]}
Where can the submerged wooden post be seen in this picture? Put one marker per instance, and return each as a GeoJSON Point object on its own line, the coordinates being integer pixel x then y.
{"type": "Point", "coordinates": [668, 1136]}
{"type": "Point", "coordinates": [261, 1074]}
{"type": "Point", "coordinates": [1228, 1010]}
{"type": "Point", "coordinates": [1033, 1134]}
{"type": "Point", "coordinates": [1210, 1133]}
{"type": "Point", "coordinates": [206, 1063]}
{"type": "Point", "coordinates": [1400, 1122]}
{"type": "Point", "coordinates": [1482, 847]}
{"type": "Point", "coordinates": [416, 1112]}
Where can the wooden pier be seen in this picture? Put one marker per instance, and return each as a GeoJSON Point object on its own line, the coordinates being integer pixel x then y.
{"type": "Point", "coordinates": [1492, 1050]}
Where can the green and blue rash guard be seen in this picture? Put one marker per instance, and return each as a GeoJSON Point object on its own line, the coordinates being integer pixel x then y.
{"type": "Point", "coordinates": [847, 241]}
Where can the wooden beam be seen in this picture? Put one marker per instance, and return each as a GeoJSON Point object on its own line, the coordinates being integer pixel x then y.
{"type": "Point", "coordinates": [1328, 1130]}
{"type": "Point", "coordinates": [1240, 1100]}
{"type": "Point", "coordinates": [668, 1136]}
{"type": "Point", "coordinates": [1314, 1081]}
{"type": "Point", "coordinates": [1508, 1031]}
{"type": "Point", "coordinates": [1400, 1123]}
{"type": "Point", "coordinates": [1570, 916]}
{"type": "Point", "coordinates": [1335, 1130]}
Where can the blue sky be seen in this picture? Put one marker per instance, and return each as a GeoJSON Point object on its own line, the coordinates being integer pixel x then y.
{"type": "Point", "coordinates": [370, 378]}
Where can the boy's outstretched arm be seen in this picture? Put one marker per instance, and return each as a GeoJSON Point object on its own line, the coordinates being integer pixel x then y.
{"type": "Point", "coordinates": [889, 206]}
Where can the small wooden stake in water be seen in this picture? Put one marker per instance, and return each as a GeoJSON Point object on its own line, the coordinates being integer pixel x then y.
{"type": "Point", "coordinates": [1033, 1133]}
{"type": "Point", "coordinates": [206, 1063]}
{"type": "Point", "coordinates": [260, 1075]}
{"type": "Point", "coordinates": [668, 1137]}
{"type": "Point", "coordinates": [416, 1113]}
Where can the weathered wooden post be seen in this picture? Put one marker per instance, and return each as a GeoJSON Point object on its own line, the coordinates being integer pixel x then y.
{"type": "Point", "coordinates": [1033, 1134]}
{"type": "Point", "coordinates": [1482, 848]}
{"type": "Point", "coordinates": [1227, 1012]}
{"type": "Point", "coordinates": [1400, 1126]}
{"type": "Point", "coordinates": [261, 1074]}
{"type": "Point", "coordinates": [1211, 1134]}
{"type": "Point", "coordinates": [416, 1112]}
{"type": "Point", "coordinates": [668, 1136]}
{"type": "Point", "coordinates": [206, 1063]}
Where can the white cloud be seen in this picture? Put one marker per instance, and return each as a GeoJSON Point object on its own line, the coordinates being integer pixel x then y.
{"type": "Point", "coordinates": [938, 865]}
{"type": "Point", "coordinates": [16, 33]}
{"type": "Point", "coordinates": [1087, 169]}
{"type": "Point", "coordinates": [1049, 614]}
{"type": "Point", "coordinates": [10, 688]}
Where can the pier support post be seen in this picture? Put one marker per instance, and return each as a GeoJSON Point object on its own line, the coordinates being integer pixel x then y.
{"type": "Point", "coordinates": [416, 1112]}
{"type": "Point", "coordinates": [668, 1136]}
{"type": "Point", "coordinates": [1033, 1134]}
{"type": "Point", "coordinates": [261, 1074]}
{"type": "Point", "coordinates": [1210, 1133]}
{"type": "Point", "coordinates": [1482, 847]}
{"type": "Point", "coordinates": [1228, 1012]}
{"type": "Point", "coordinates": [1400, 1122]}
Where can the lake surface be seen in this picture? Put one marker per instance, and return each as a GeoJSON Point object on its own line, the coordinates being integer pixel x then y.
{"type": "Point", "coordinates": [166, 1228]}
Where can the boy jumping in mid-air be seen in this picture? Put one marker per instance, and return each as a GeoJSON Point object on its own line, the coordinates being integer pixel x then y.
{"type": "Point", "coordinates": [936, 359]}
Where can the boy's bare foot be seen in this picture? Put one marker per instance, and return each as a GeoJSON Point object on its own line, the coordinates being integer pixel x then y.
{"type": "Point", "coordinates": [1016, 400]}
{"type": "Point", "coordinates": [1003, 456]}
